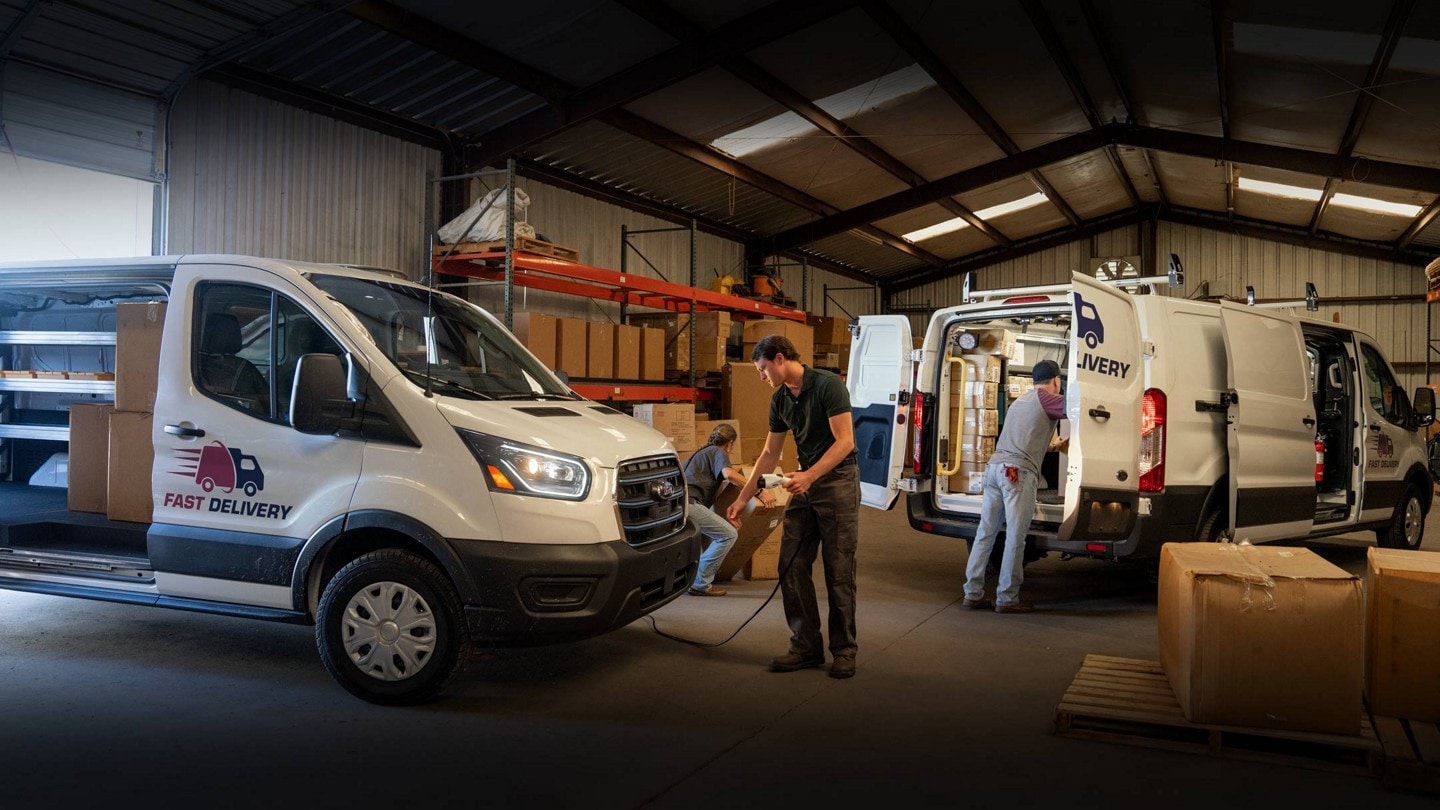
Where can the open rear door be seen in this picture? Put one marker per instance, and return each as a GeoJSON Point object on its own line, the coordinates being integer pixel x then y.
{"type": "Point", "coordinates": [1271, 425]}
{"type": "Point", "coordinates": [1102, 401]}
{"type": "Point", "coordinates": [879, 381]}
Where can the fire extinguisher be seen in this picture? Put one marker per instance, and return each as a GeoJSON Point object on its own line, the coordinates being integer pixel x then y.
{"type": "Point", "coordinates": [1319, 457]}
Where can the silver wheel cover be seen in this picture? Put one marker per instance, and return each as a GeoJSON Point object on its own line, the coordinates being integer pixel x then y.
{"type": "Point", "coordinates": [388, 631]}
{"type": "Point", "coordinates": [1414, 521]}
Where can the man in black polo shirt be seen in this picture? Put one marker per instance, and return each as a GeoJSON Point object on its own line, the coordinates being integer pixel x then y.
{"type": "Point", "coordinates": [824, 511]}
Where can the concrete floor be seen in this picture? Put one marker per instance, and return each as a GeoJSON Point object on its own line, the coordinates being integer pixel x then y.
{"type": "Point", "coordinates": [122, 705]}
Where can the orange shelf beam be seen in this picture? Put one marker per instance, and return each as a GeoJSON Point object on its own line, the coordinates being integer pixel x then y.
{"type": "Point", "coordinates": [556, 275]}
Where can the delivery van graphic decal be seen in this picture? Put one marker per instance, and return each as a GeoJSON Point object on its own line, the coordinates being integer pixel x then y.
{"type": "Point", "coordinates": [226, 469]}
{"type": "Point", "coordinates": [1090, 330]}
{"type": "Point", "coordinates": [1384, 456]}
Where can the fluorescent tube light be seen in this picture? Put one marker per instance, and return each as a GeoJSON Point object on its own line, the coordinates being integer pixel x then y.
{"type": "Point", "coordinates": [952, 225]}
{"type": "Point", "coordinates": [1378, 206]}
{"type": "Point", "coordinates": [1279, 189]}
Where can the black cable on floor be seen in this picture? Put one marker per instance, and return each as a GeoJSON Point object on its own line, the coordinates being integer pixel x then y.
{"type": "Point", "coordinates": [693, 643]}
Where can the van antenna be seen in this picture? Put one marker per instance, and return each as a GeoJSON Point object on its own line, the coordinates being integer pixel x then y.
{"type": "Point", "coordinates": [1249, 295]}
{"type": "Point", "coordinates": [1312, 298]}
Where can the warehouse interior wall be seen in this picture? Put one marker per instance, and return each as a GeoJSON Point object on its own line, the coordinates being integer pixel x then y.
{"type": "Point", "coordinates": [51, 211]}
{"type": "Point", "coordinates": [1224, 264]}
{"type": "Point", "coordinates": [252, 176]}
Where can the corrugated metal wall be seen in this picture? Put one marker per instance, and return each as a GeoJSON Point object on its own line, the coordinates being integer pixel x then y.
{"type": "Point", "coordinates": [1218, 263]}
{"type": "Point", "coordinates": [252, 176]}
{"type": "Point", "coordinates": [62, 119]}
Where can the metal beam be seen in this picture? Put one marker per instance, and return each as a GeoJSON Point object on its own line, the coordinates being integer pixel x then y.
{"type": "Point", "coordinates": [569, 107]}
{"type": "Point", "coordinates": [1258, 229]}
{"type": "Point", "coordinates": [1421, 223]}
{"type": "Point", "coordinates": [337, 107]}
{"type": "Point", "coordinates": [16, 31]}
{"type": "Point", "coordinates": [916, 48]}
{"type": "Point", "coordinates": [267, 34]}
{"type": "Point", "coordinates": [958, 183]}
{"type": "Point", "coordinates": [1092, 21]}
{"type": "Point", "coordinates": [1365, 99]}
{"type": "Point", "coordinates": [1023, 247]}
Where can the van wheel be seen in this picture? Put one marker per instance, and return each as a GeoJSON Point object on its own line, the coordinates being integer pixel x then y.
{"type": "Point", "coordinates": [1407, 527]}
{"type": "Point", "coordinates": [390, 628]}
{"type": "Point", "coordinates": [1213, 527]}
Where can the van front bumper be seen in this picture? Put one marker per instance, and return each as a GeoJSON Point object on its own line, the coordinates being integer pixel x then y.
{"type": "Point", "coordinates": [532, 594]}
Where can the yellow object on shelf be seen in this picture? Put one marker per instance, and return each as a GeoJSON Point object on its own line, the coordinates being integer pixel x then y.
{"type": "Point", "coordinates": [723, 284]}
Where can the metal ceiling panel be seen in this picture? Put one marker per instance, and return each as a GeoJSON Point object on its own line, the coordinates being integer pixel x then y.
{"type": "Point", "coordinates": [1089, 183]}
{"type": "Point", "coordinates": [807, 60]}
{"type": "Point", "coordinates": [822, 167]}
{"type": "Point", "coordinates": [706, 106]}
{"type": "Point", "coordinates": [862, 254]}
{"type": "Point", "coordinates": [1405, 118]}
{"type": "Point", "coordinates": [927, 132]}
{"type": "Point", "coordinates": [1192, 182]}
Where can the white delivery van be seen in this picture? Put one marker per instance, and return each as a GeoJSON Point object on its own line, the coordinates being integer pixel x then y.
{"type": "Point", "coordinates": [1187, 420]}
{"type": "Point", "coordinates": [332, 446]}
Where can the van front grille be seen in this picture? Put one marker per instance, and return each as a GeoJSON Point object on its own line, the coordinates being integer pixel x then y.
{"type": "Point", "coordinates": [651, 496]}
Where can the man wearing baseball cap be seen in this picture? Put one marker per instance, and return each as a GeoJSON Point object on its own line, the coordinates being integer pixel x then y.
{"type": "Point", "coordinates": [1010, 484]}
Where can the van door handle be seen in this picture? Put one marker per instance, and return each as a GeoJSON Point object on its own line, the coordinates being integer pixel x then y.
{"type": "Point", "coordinates": [1100, 414]}
{"type": "Point", "coordinates": [1308, 422]}
{"type": "Point", "coordinates": [1374, 428]}
{"type": "Point", "coordinates": [189, 433]}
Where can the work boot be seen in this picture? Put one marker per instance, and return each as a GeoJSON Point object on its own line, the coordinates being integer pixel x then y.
{"type": "Point", "coordinates": [710, 591]}
{"type": "Point", "coordinates": [978, 604]}
{"type": "Point", "coordinates": [1018, 607]}
{"type": "Point", "coordinates": [790, 662]}
{"type": "Point", "coordinates": [843, 666]}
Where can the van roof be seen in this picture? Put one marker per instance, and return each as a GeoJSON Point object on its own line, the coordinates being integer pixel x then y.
{"type": "Point", "coordinates": [161, 269]}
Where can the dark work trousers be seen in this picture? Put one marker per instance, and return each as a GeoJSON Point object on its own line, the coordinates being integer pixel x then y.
{"type": "Point", "coordinates": [825, 519]}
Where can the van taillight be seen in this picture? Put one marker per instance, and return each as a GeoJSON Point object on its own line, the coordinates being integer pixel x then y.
{"type": "Point", "coordinates": [917, 410]}
{"type": "Point", "coordinates": [1152, 441]}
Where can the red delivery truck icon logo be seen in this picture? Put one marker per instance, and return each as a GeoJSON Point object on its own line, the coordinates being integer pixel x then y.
{"type": "Point", "coordinates": [227, 469]}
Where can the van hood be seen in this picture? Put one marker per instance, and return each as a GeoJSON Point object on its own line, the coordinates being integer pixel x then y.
{"type": "Point", "coordinates": [595, 432]}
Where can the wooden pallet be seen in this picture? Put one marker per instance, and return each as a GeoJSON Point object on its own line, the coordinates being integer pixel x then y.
{"type": "Point", "coordinates": [1412, 754]}
{"type": "Point", "coordinates": [522, 243]}
{"type": "Point", "coordinates": [1129, 701]}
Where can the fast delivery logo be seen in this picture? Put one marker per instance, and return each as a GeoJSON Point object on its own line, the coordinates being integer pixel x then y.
{"type": "Point", "coordinates": [1091, 330]}
{"type": "Point", "coordinates": [216, 466]}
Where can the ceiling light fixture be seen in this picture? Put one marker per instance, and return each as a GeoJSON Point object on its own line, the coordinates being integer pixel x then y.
{"type": "Point", "coordinates": [1377, 206]}
{"type": "Point", "coordinates": [952, 225]}
{"type": "Point", "coordinates": [1279, 189]}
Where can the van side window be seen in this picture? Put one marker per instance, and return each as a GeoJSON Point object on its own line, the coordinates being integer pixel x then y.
{"type": "Point", "coordinates": [1380, 386]}
{"type": "Point", "coordinates": [247, 342]}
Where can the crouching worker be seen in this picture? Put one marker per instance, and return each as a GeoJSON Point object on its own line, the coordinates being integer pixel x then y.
{"type": "Point", "coordinates": [705, 472]}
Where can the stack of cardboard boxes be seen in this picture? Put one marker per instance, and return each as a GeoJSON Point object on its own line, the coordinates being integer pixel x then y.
{"type": "Point", "coordinates": [832, 342]}
{"type": "Point", "coordinates": [709, 335]}
{"type": "Point", "coordinates": [745, 397]}
{"type": "Point", "coordinates": [593, 349]}
{"type": "Point", "coordinates": [111, 448]}
{"type": "Point", "coordinates": [976, 399]}
{"type": "Point", "coordinates": [675, 420]}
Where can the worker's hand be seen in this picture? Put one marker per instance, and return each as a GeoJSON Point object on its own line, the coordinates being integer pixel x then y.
{"type": "Point", "coordinates": [766, 499]}
{"type": "Point", "coordinates": [733, 513]}
{"type": "Point", "coordinates": [798, 483]}
{"type": "Point", "coordinates": [1061, 446]}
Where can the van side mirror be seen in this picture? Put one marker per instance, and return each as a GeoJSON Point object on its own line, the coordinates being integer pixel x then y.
{"type": "Point", "coordinates": [1424, 406]}
{"type": "Point", "coordinates": [318, 401]}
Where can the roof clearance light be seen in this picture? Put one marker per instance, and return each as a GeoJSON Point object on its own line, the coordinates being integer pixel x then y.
{"type": "Point", "coordinates": [949, 226]}
{"type": "Point", "coordinates": [1279, 189]}
{"type": "Point", "coordinates": [1377, 206]}
{"type": "Point", "coordinates": [1027, 299]}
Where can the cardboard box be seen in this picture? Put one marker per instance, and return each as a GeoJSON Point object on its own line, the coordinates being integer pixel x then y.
{"type": "Point", "coordinates": [827, 329]}
{"type": "Point", "coordinates": [977, 448]}
{"type": "Point", "coordinates": [745, 397]}
{"type": "Point", "coordinates": [840, 350]}
{"type": "Point", "coordinates": [537, 333]}
{"type": "Point", "coordinates": [1402, 638]}
{"type": "Point", "coordinates": [676, 421]}
{"type": "Point", "coordinates": [998, 342]}
{"type": "Point", "coordinates": [89, 473]}
{"type": "Point", "coordinates": [571, 347]}
{"type": "Point", "coordinates": [977, 422]}
{"type": "Point", "coordinates": [138, 328]}
{"type": "Point", "coordinates": [799, 334]}
{"type": "Point", "coordinates": [710, 334]}
{"type": "Point", "coordinates": [764, 563]}
{"type": "Point", "coordinates": [600, 350]}
{"type": "Point", "coordinates": [652, 354]}
{"type": "Point", "coordinates": [980, 367]}
{"type": "Point", "coordinates": [132, 454]}
{"type": "Point", "coordinates": [750, 449]}
{"type": "Point", "coordinates": [970, 479]}
{"type": "Point", "coordinates": [1261, 636]}
{"type": "Point", "coordinates": [756, 524]}
{"type": "Point", "coordinates": [977, 394]}
{"type": "Point", "coordinates": [1017, 386]}
{"type": "Point", "coordinates": [704, 427]}
{"type": "Point", "coordinates": [627, 352]}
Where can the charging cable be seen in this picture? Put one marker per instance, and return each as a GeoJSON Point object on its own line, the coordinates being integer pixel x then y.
{"type": "Point", "coordinates": [767, 481]}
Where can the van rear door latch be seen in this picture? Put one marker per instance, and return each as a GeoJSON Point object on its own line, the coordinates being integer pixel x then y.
{"type": "Point", "coordinates": [1227, 398]}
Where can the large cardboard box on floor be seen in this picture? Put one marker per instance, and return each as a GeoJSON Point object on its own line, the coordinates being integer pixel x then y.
{"type": "Point", "coordinates": [132, 454]}
{"type": "Point", "coordinates": [756, 524]}
{"type": "Point", "coordinates": [1261, 636]}
{"type": "Point", "coordinates": [764, 562]}
{"type": "Point", "coordinates": [538, 333]}
{"type": "Point", "coordinates": [571, 347]}
{"type": "Point", "coordinates": [138, 328]}
{"type": "Point", "coordinates": [89, 473]}
{"type": "Point", "coordinates": [677, 421]}
{"type": "Point", "coordinates": [1402, 639]}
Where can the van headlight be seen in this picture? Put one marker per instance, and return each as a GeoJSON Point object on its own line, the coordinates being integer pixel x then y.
{"type": "Point", "coordinates": [525, 470]}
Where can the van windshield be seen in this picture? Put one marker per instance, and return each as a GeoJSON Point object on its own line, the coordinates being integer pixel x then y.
{"type": "Point", "coordinates": [442, 341]}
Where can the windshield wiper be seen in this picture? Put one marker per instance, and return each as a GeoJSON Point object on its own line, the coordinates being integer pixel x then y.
{"type": "Point", "coordinates": [537, 395]}
{"type": "Point", "coordinates": [441, 381]}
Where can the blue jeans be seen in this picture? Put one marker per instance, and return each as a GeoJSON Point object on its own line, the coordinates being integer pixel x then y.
{"type": "Point", "coordinates": [1015, 505]}
{"type": "Point", "coordinates": [722, 536]}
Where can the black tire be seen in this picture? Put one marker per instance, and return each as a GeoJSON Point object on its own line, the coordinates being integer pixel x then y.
{"type": "Point", "coordinates": [1407, 526]}
{"type": "Point", "coordinates": [374, 656]}
{"type": "Point", "coordinates": [1212, 527]}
